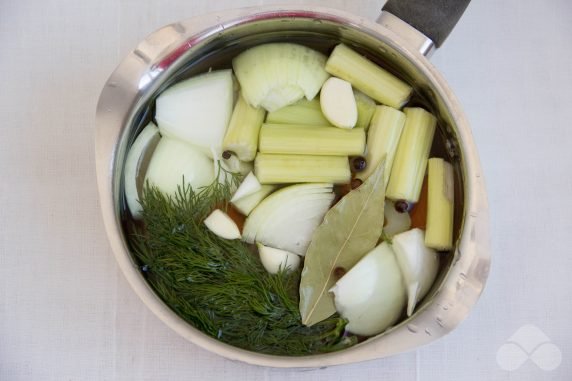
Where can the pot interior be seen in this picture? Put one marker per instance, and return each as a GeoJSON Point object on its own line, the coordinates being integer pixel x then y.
{"type": "Point", "coordinates": [216, 50]}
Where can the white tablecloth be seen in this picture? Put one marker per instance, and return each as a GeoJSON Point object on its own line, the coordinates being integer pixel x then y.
{"type": "Point", "coordinates": [66, 312]}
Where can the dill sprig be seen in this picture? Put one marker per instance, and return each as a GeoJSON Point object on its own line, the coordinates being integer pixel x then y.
{"type": "Point", "coordinates": [219, 285]}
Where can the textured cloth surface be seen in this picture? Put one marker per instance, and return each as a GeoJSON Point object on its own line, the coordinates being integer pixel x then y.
{"type": "Point", "coordinates": [67, 313]}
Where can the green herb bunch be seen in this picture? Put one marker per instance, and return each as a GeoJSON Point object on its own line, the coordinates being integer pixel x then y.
{"type": "Point", "coordinates": [220, 286]}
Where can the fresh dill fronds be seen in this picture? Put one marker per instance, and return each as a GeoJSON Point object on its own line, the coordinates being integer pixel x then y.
{"type": "Point", "coordinates": [220, 286]}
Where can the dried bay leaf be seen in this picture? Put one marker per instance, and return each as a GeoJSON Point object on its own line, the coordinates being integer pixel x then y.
{"type": "Point", "coordinates": [350, 229]}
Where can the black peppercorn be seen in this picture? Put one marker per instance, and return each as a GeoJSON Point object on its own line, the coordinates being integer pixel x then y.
{"type": "Point", "coordinates": [401, 206]}
{"type": "Point", "coordinates": [359, 164]}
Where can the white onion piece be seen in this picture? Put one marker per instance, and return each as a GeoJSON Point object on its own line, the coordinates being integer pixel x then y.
{"type": "Point", "coordinates": [275, 260]}
{"type": "Point", "coordinates": [371, 296]}
{"type": "Point", "coordinates": [287, 218]}
{"type": "Point", "coordinates": [395, 222]}
{"type": "Point", "coordinates": [275, 75]}
{"type": "Point", "coordinates": [338, 103]}
{"type": "Point", "coordinates": [247, 204]}
{"type": "Point", "coordinates": [222, 168]}
{"type": "Point", "coordinates": [222, 225]}
{"type": "Point", "coordinates": [419, 265]}
{"type": "Point", "coordinates": [280, 97]}
{"type": "Point", "coordinates": [235, 165]}
{"type": "Point", "coordinates": [197, 110]}
{"type": "Point", "coordinates": [249, 185]}
{"type": "Point", "coordinates": [136, 166]}
{"type": "Point", "coordinates": [174, 159]}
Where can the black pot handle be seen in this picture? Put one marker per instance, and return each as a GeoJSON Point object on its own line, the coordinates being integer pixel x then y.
{"type": "Point", "coordinates": [434, 18]}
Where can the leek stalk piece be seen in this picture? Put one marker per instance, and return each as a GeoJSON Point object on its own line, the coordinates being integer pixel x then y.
{"type": "Point", "coordinates": [284, 169]}
{"type": "Point", "coordinates": [311, 140]}
{"type": "Point", "coordinates": [382, 140]}
{"type": "Point", "coordinates": [439, 233]}
{"type": "Point", "coordinates": [368, 77]}
{"type": "Point", "coordinates": [302, 112]}
{"type": "Point", "coordinates": [243, 129]}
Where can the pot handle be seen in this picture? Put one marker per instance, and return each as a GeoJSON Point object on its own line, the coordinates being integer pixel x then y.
{"type": "Point", "coordinates": [434, 18]}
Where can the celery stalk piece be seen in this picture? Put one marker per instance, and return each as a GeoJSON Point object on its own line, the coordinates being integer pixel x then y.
{"type": "Point", "coordinates": [242, 133]}
{"type": "Point", "coordinates": [410, 160]}
{"type": "Point", "coordinates": [311, 140]}
{"type": "Point", "coordinates": [440, 182]}
{"type": "Point", "coordinates": [284, 169]}
{"type": "Point", "coordinates": [368, 77]}
{"type": "Point", "coordinates": [366, 108]}
{"type": "Point", "coordinates": [246, 204]}
{"type": "Point", "coordinates": [302, 112]}
{"type": "Point", "coordinates": [382, 140]}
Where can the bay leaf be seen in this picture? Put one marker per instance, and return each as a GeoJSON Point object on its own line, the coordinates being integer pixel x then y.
{"type": "Point", "coordinates": [350, 229]}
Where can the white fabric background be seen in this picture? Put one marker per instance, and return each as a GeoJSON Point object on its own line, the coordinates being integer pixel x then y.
{"type": "Point", "coordinates": [66, 313]}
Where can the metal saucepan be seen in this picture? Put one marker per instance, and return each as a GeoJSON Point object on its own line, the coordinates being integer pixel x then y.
{"type": "Point", "coordinates": [404, 35]}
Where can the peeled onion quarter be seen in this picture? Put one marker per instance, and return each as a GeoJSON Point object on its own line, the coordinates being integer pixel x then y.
{"type": "Point", "coordinates": [371, 296]}
{"type": "Point", "coordinates": [174, 160]}
{"type": "Point", "coordinates": [287, 218]}
{"type": "Point", "coordinates": [275, 260]}
{"type": "Point", "coordinates": [136, 165]}
{"type": "Point", "coordinates": [197, 110]}
{"type": "Point", "coordinates": [275, 75]}
{"type": "Point", "coordinates": [418, 263]}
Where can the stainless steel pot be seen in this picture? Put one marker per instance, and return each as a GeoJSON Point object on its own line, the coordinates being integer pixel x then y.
{"type": "Point", "coordinates": [180, 50]}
